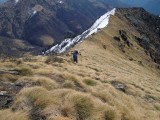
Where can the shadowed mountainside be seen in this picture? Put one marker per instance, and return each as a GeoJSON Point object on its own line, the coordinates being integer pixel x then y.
{"type": "Point", "coordinates": [45, 23]}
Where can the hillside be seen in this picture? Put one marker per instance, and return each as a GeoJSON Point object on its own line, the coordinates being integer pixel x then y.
{"type": "Point", "coordinates": [114, 80]}
{"type": "Point", "coordinates": [48, 22]}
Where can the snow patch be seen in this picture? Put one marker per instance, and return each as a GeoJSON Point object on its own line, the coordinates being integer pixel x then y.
{"type": "Point", "coordinates": [16, 1]}
{"type": "Point", "coordinates": [34, 12]}
{"type": "Point", "coordinates": [60, 2]}
{"type": "Point", "coordinates": [102, 22]}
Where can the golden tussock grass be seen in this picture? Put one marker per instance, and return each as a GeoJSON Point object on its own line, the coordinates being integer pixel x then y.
{"type": "Point", "coordinates": [47, 83]}
{"type": "Point", "coordinates": [90, 82]}
{"type": "Point", "coordinates": [10, 115]}
{"type": "Point", "coordinates": [65, 104]}
{"type": "Point", "coordinates": [8, 77]}
{"type": "Point", "coordinates": [38, 96]}
{"type": "Point", "coordinates": [24, 70]}
{"type": "Point", "coordinates": [68, 84]}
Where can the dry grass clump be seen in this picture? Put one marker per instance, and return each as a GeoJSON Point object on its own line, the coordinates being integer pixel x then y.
{"type": "Point", "coordinates": [64, 104]}
{"type": "Point", "coordinates": [84, 107]}
{"type": "Point", "coordinates": [35, 65]}
{"type": "Point", "coordinates": [90, 82]}
{"type": "Point", "coordinates": [68, 84]}
{"type": "Point", "coordinates": [79, 85]}
{"type": "Point", "coordinates": [47, 83]}
{"type": "Point", "coordinates": [157, 106]}
{"type": "Point", "coordinates": [29, 58]}
{"type": "Point", "coordinates": [44, 71]}
{"type": "Point", "coordinates": [24, 71]}
{"type": "Point", "coordinates": [16, 61]}
{"type": "Point", "coordinates": [8, 77]}
{"type": "Point", "coordinates": [9, 115]}
{"type": "Point", "coordinates": [109, 115]}
{"type": "Point", "coordinates": [104, 96]}
{"type": "Point", "coordinates": [38, 96]}
{"type": "Point", "coordinates": [54, 59]}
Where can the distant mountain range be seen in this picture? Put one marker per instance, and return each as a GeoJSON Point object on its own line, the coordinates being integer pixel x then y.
{"type": "Point", "coordinates": [48, 22]}
{"type": "Point", "coordinates": [151, 6]}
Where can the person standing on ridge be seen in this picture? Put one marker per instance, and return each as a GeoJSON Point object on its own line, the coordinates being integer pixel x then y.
{"type": "Point", "coordinates": [75, 56]}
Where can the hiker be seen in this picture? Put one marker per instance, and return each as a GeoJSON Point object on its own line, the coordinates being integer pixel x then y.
{"type": "Point", "coordinates": [75, 56]}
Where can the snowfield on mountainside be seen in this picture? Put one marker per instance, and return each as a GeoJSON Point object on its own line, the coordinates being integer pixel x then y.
{"type": "Point", "coordinates": [102, 22]}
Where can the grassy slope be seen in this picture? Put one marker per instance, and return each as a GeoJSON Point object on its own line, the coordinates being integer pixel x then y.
{"type": "Point", "coordinates": [62, 90]}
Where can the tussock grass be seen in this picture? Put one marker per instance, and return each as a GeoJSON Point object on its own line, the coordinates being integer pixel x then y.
{"type": "Point", "coordinates": [157, 106]}
{"type": "Point", "coordinates": [35, 65]}
{"type": "Point", "coordinates": [104, 96]}
{"type": "Point", "coordinates": [47, 83]}
{"type": "Point", "coordinates": [110, 115]}
{"type": "Point", "coordinates": [44, 71]}
{"type": "Point", "coordinates": [53, 59]}
{"type": "Point", "coordinates": [64, 104]}
{"type": "Point", "coordinates": [8, 77]}
{"type": "Point", "coordinates": [38, 96]}
{"type": "Point", "coordinates": [83, 107]}
{"type": "Point", "coordinates": [9, 115]}
{"type": "Point", "coordinates": [24, 71]}
{"type": "Point", "coordinates": [78, 83]}
{"type": "Point", "coordinates": [68, 84]}
{"type": "Point", "coordinates": [90, 82]}
{"type": "Point", "coordinates": [59, 118]}
{"type": "Point", "coordinates": [17, 61]}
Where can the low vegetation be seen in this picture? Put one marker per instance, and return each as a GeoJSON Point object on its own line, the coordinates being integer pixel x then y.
{"type": "Point", "coordinates": [90, 82]}
{"type": "Point", "coordinates": [24, 71]}
{"type": "Point", "coordinates": [53, 59]}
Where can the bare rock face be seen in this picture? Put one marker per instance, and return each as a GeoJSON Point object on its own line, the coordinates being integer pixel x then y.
{"type": "Point", "coordinates": [48, 22]}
